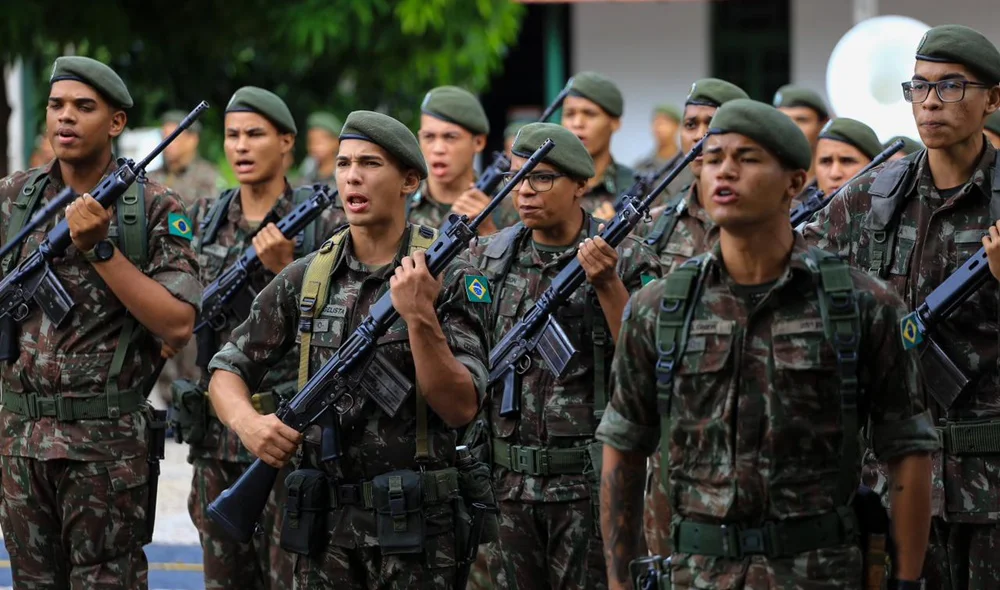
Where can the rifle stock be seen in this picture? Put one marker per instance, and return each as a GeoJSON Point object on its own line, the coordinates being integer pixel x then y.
{"type": "Point", "coordinates": [238, 508]}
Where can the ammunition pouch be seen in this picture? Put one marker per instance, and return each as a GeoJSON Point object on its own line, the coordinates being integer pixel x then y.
{"type": "Point", "coordinates": [478, 440]}
{"type": "Point", "coordinates": [475, 483]}
{"type": "Point", "coordinates": [398, 498]}
{"type": "Point", "coordinates": [650, 573]}
{"type": "Point", "coordinates": [304, 530]}
{"type": "Point", "coordinates": [155, 452]}
{"type": "Point", "coordinates": [188, 412]}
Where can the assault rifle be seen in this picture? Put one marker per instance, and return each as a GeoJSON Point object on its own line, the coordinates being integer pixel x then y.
{"type": "Point", "coordinates": [538, 329]}
{"type": "Point", "coordinates": [238, 508]}
{"type": "Point", "coordinates": [231, 293]}
{"type": "Point", "coordinates": [816, 201]}
{"type": "Point", "coordinates": [34, 280]}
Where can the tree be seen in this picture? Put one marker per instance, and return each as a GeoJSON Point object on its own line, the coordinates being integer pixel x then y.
{"type": "Point", "coordinates": [338, 55]}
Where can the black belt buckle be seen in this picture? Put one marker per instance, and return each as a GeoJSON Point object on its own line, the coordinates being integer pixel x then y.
{"type": "Point", "coordinates": [348, 494]}
{"type": "Point", "coordinates": [753, 541]}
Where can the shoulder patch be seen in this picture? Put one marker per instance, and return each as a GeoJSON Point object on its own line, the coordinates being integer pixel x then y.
{"type": "Point", "coordinates": [180, 226]}
{"type": "Point", "coordinates": [646, 279]}
{"type": "Point", "coordinates": [477, 289]}
{"type": "Point", "coordinates": [909, 330]}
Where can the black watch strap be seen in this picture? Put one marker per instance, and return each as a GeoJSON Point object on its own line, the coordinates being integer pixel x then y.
{"type": "Point", "coordinates": [895, 584]}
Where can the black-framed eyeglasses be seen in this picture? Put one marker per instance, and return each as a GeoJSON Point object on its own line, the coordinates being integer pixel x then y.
{"type": "Point", "coordinates": [917, 91]}
{"type": "Point", "coordinates": [538, 181]}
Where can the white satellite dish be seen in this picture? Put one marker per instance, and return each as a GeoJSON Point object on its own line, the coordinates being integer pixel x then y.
{"type": "Point", "coordinates": [866, 69]}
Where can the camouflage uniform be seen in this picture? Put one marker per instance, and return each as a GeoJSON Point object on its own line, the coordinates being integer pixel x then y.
{"type": "Point", "coordinates": [676, 186]}
{"type": "Point", "coordinates": [373, 442]}
{"type": "Point", "coordinates": [549, 533]}
{"type": "Point", "coordinates": [422, 209]}
{"type": "Point", "coordinates": [693, 233]}
{"type": "Point", "coordinates": [75, 492]}
{"type": "Point", "coordinates": [754, 432]}
{"type": "Point", "coordinates": [197, 183]}
{"type": "Point", "coordinates": [617, 178]}
{"type": "Point", "coordinates": [221, 458]}
{"type": "Point", "coordinates": [935, 234]}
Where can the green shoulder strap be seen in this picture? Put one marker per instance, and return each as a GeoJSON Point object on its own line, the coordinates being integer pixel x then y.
{"type": "Point", "coordinates": [673, 322]}
{"type": "Point", "coordinates": [888, 197]}
{"type": "Point", "coordinates": [308, 244]}
{"type": "Point", "coordinates": [593, 316]}
{"type": "Point", "coordinates": [24, 206]}
{"type": "Point", "coordinates": [664, 226]}
{"type": "Point", "coordinates": [421, 238]}
{"type": "Point", "coordinates": [842, 325]}
{"type": "Point", "coordinates": [214, 219]}
{"type": "Point", "coordinates": [315, 287]}
{"type": "Point", "coordinates": [499, 257]}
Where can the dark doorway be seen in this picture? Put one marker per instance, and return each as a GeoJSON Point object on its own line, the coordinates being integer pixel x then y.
{"type": "Point", "coordinates": [751, 45]}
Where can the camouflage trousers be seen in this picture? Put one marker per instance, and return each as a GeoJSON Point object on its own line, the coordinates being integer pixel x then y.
{"type": "Point", "coordinates": [75, 525]}
{"type": "Point", "coordinates": [365, 568]}
{"type": "Point", "coordinates": [479, 577]}
{"type": "Point", "coordinates": [835, 568]}
{"type": "Point", "coordinates": [656, 513]}
{"type": "Point", "coordinates": [963, 556]}
{"type": "Point", "coordinates": [548, 545]}
{"type": "Point", "coordinates": [260, 564]}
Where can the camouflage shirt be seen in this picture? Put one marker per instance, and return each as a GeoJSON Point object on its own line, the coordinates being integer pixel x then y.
{"type": "Point", "coordinates": [422, 209]}
{"type": "Point", "coordinates": [74, 360]}
{"type": "Point", "coordinates": [373, 442]}
{"type": "Point", "coordinates": [755, 410]}
{"type": "Point", "coordinates": [934, 236]}
{"type": "Point", "coordinates": [555, 413]}
{"type": "Point", "coordinates": [232, 239]}
{"type": "Point", "coordinates": [617, 179]}
{"type": "Point", "coordinates": [802, 196]}
{"type": "Point", "coordinates": [199, 181]}
{"type": "Point", "coordinates": [676, 186]}
{"type": "Point", "coordinates": [694, 231]}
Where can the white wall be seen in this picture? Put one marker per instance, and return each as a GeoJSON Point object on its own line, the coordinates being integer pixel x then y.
{"type": "Point", "coordinates": [15, 126]}
{"type": "Point", "coordinates": [653, 51]}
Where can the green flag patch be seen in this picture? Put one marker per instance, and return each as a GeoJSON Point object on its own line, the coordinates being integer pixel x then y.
{"type": "Point", "coordinates": [180, 226]}
{"type": "Point", "coordinates": [909, 329]}
{"type": "Point", "coordinates": [646, 279]}
{"type": "Point", "coordinates": [477, 289]}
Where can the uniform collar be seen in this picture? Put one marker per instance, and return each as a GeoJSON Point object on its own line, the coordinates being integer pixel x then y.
{"type": "Point", "coordinates": [801, 266]}
{"type": "Point", "coordinates": [281, 208]}
{"type": "Point", "coordinates": [981, 178]}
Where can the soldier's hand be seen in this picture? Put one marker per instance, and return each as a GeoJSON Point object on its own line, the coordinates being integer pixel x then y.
{"type": "Point", "coordinates": [268, 438]}
{"type": "Point", "coordinates": [88, 222]}
{"type": "Point", "coordinates": [166, 352]}
{"type": "Point", "coordinates": [991, 243]}
{"type": "Point", "coordinates": [413, 289]}
{"type": "Point", "coordinates": [274, 250]}
{"type": "Point", "coordinates": [599, 261]}
{"type": "Point", "coordinates": [471, 203]}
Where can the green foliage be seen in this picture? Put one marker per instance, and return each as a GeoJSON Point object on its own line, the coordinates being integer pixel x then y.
{"type": "Point", "coordinates": [338, 55]}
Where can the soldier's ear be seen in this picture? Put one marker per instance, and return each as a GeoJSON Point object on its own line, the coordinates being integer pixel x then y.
{"type": "Point", "coordinates": [479, 143]}
{"type": "Point", "coordinates": [993, 100]}
{"type": "Point", "coordinates": [118, 120]}
{"type": "Point", "coordinates": [797, 182]}
{"type": "Point", "coordinates": [411, 181]}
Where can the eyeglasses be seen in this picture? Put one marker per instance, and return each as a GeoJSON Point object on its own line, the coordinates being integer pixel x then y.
{"type": "Point", "coordinates": [917, 91]}
{"type": "Point", "coordinates": [539, 182]}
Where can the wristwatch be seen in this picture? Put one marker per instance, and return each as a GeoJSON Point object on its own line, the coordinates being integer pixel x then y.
{"type": "Point", "coordinates": [102, 252]}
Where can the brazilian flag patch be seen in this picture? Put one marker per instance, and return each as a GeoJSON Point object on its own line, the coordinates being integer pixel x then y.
{"type": "Point", "coordinates": [646, 279]}
{"type": "Point", "coordinates": [477, 289]}
{"type": "Point", "coordinates": [909, 329]}
{"type": "Point", "coordinates": [180, 226]}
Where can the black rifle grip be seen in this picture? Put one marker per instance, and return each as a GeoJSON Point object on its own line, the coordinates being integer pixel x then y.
{"type": "Point", "coordinates": [329, 444]}
{"type": "Point", "coordinates": [8, 339]}
{"type": "Point", "coordinates": [510, 405]}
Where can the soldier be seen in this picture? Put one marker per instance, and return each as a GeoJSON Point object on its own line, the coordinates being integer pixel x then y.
{"type": "Point", "coordinates": [76, 427]}
{"type": "Point", "coordinates": [189, 175]}
{"type": "Point", "coordinates": [666, 123]}
{"type": "Point", "coordinates": [914, 222]}
{"type": "Point", "coordinates": [910, 146]}
{"type": "Point", "coordinates": [453, 128]}
{"type": "Point", "coordinates": [259, 130]}
{"type": "Point", "coordinates": [549, 536]}
{"type": "Point", "coordinates": [992, 129]}
{"type": "Point", "coordinates": [807, 108]}
{"type": "Point", "coordinates": [592, 111]}
{"type": "Point", "coordinates": [756, 408]}
{"type": "Point", "coordinates": [322, 142]}
{"type": "Point", "coordinates": [845, 146]}
{"type": "Point", "coordinates": [438, 343]}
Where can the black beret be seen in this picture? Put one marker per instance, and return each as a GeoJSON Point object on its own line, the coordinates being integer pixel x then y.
{"type": "Point", "coordinates": [389, 134]}
{"type": "Point", "coordinates": [766, 125]}
{"type": "Point", "coordinates": [600, 90]}
{"type": "Point", "coordinates": [713, 92]}
{"type": "Point", "coordinates": [456, 105]}
{"type": "Point", "coordinates": [269, 105]}
{"type": "Point", "coordinates": [797, 96]}
{"type": "Point", "coordinates": [568, 155]}
{"type": "Point", "coordinates": [94, 74]}
{"type": "Point", "coordinates": [961, 45]}
{"type": "Point", "coordinates": [853, 132]}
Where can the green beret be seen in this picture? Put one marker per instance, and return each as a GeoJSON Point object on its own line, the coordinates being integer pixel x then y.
{"type": "Point", "coordinates": [713, 92]}
{"type": "Point", "coordinates": [766, 125]}
{"type": "Point", "coordinates": [175, 116]}
{"type": "Point", "coordinates": [853, 132]}
{"type": "Point", "coordinates": [993, 122]}
{"type": "Point", "coordinates": [265, 103]}
{"type": "Point", "coordinates": [94, 74]}
{"type": "Point", "coordinates": [598, 89]}
{"type": "Point", "coordinates": [387, 133]}
{"type": "Point", "coordinates": [961, 45]}
{"type": "Point", "coordinates": [669, 110]}
{"type": "Point", "coordinates": [797, 96]}
{"type": "Point", "coordinates": [512, 128]}
{"type": "Point", "coordinates": [568, 155]}
{"type": "Point", "coordinates": [456, 105]}
{"type": "Point", "coordinates": [326, 121]}
{"type": "Point", "coordinates": [909, 145]}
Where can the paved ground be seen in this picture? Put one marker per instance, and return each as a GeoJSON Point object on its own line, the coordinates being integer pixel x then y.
{"type": "Point", "coordinates": [175, 556]}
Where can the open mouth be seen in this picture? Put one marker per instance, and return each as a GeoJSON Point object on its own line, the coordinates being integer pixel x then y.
{"type": "Point", "coordinates": [65, 136]}
{"type": "Point", "coordinates": [439, 168]}
{"type": "Point", "coordinates": [724, 196]}
{"type": "Point", "coordinates": [356, 203]}
{"type": "Point", "coordinates": [244, 166]}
